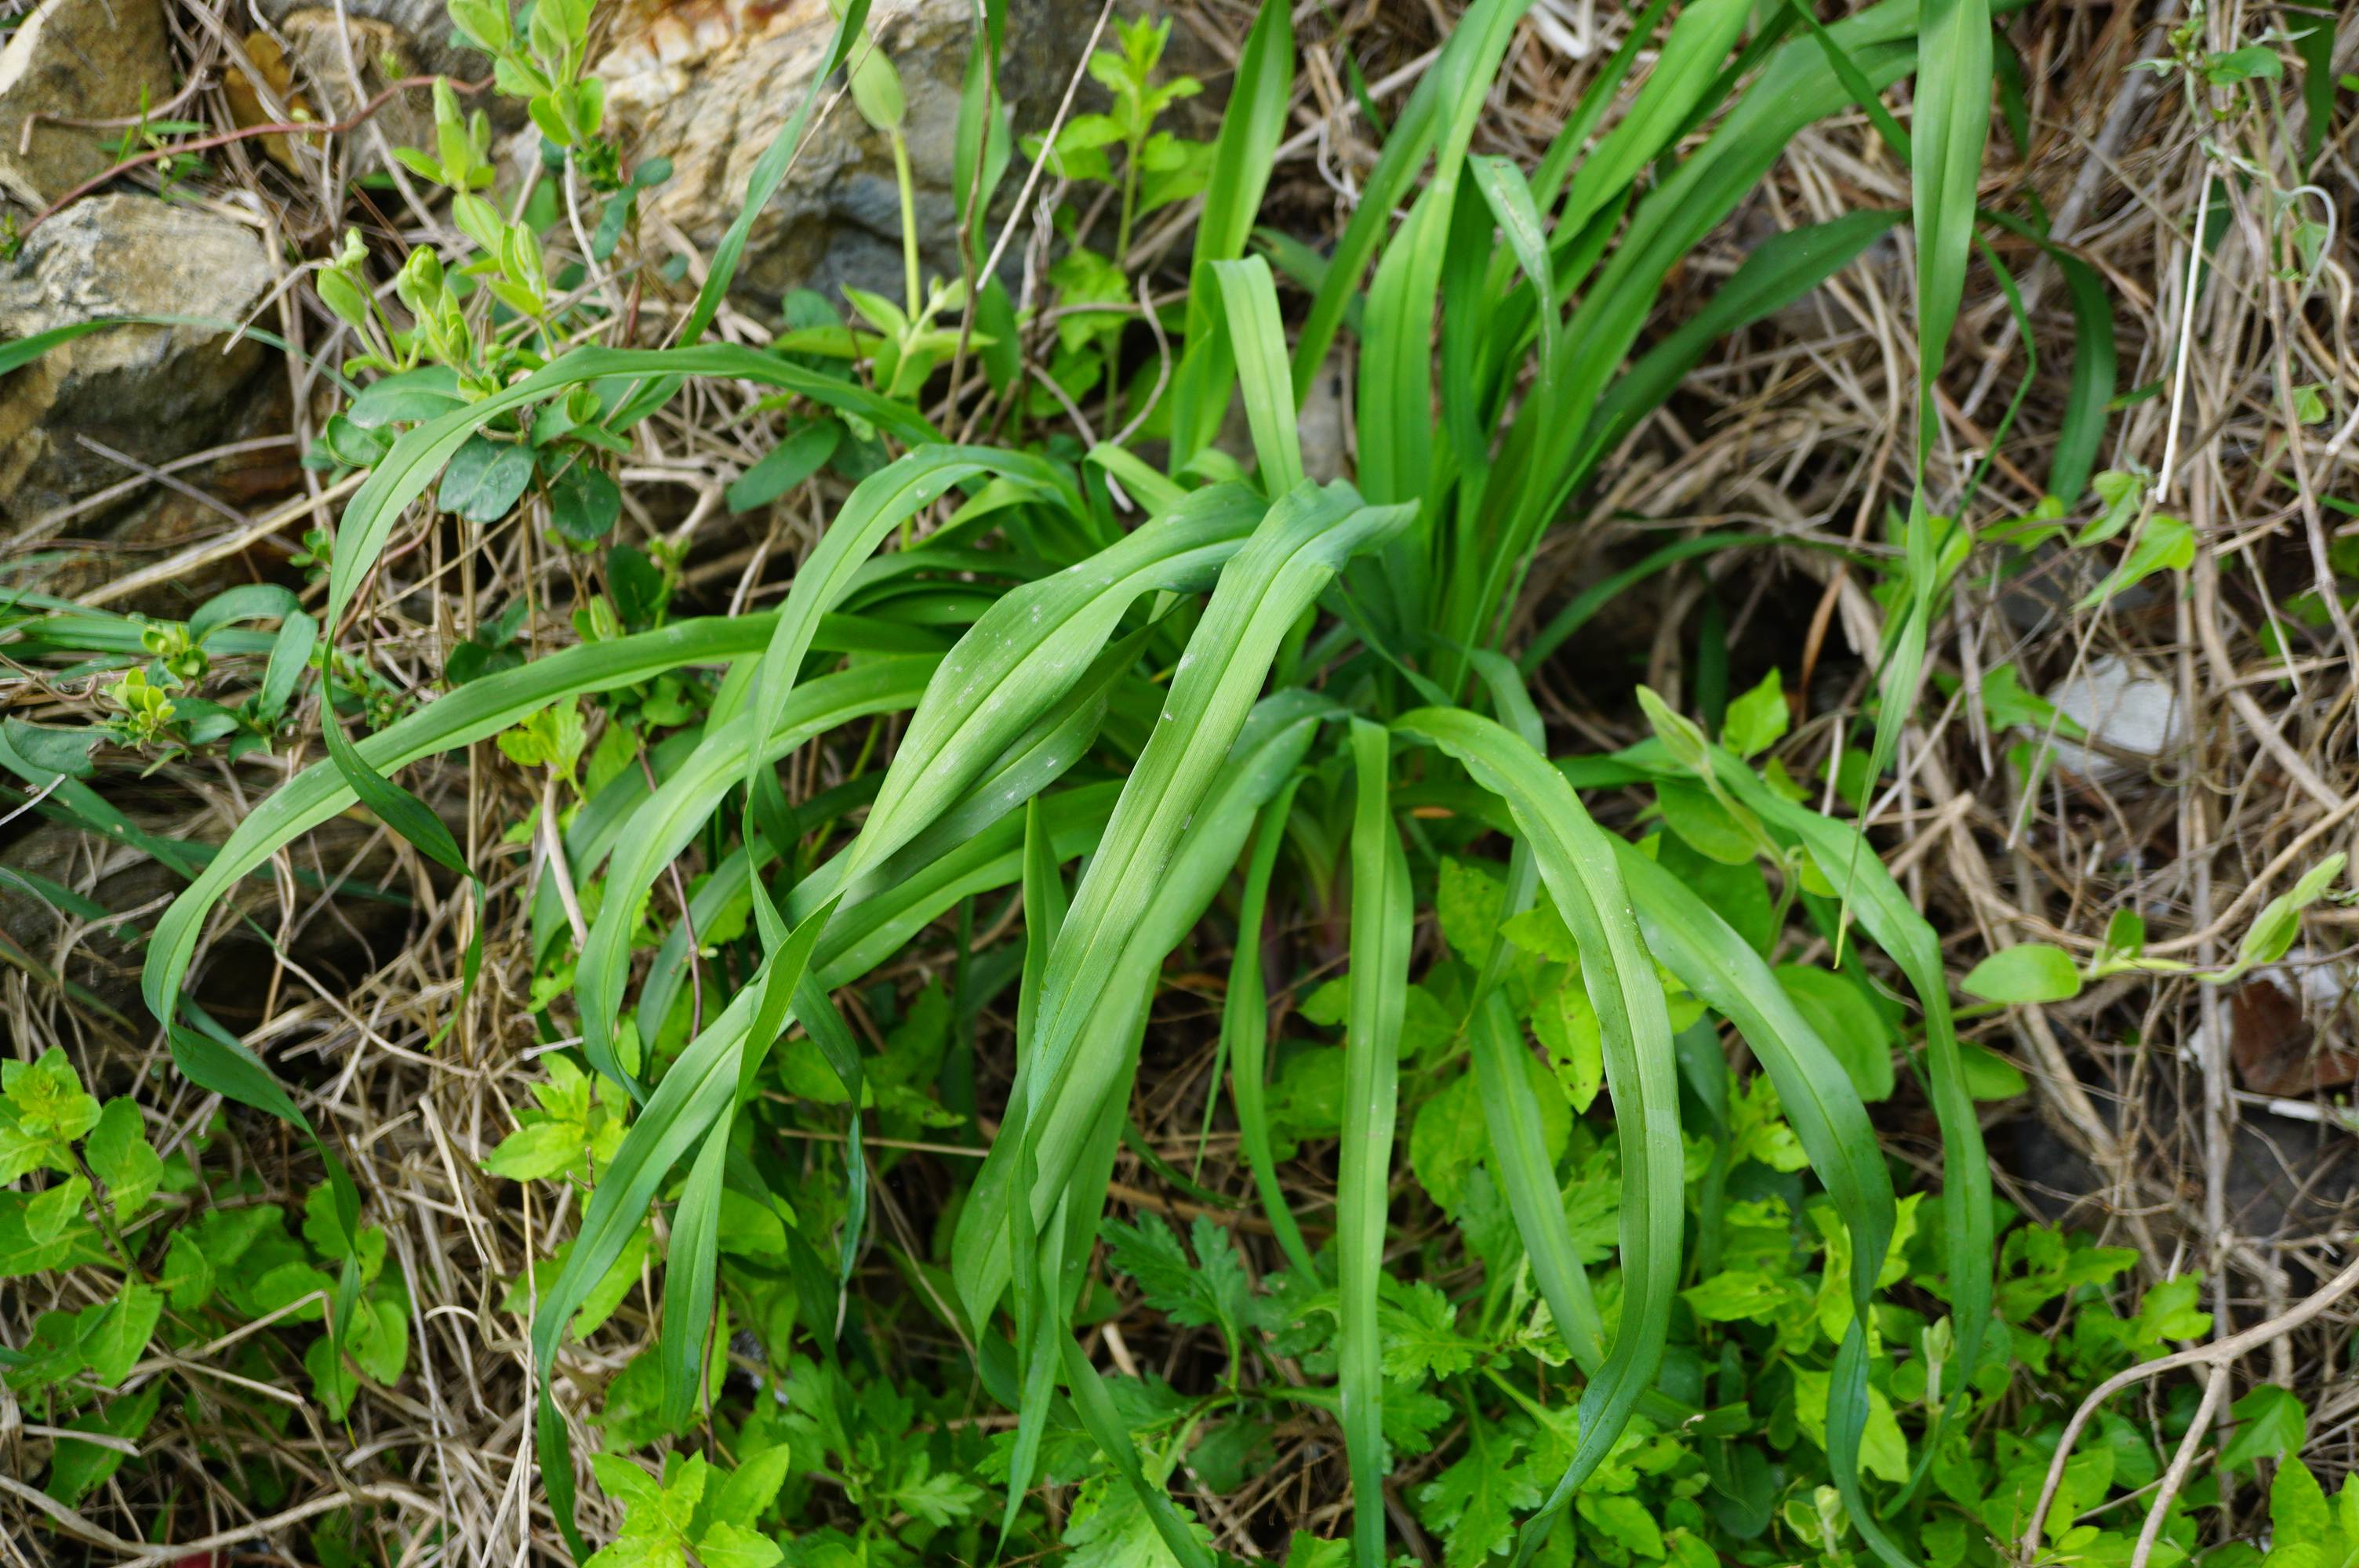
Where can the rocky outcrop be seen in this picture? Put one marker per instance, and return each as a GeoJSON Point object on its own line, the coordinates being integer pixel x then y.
{"type": "Point", "coordinates": [420, 29]}
{"type": "Point", "coordinates": [152, 393]}
{"type": "Point", "coordinates": [707, 83]}
{"type": "Point", "coordinates": [75, 59]}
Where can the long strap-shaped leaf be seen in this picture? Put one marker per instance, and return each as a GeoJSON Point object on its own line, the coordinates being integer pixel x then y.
{"type": "Point", "coordinates": [1692, 56]}
{"type": "Point", "coordinates": [1413, 134]}
{"type": "Point", "coordinates": [692, 1098]}
{"type": "Point", "coordinates": [1306, 537]}
{"type": "Point", "coordinates": [883, 899]}
{"type": "Point", "coordinates": [1721, 968]}
{"type": "Point", "coordinates": [1242, 160]}
{"type": "Point", "coordinates": [691, 1264]}
{"type": "Point", "coordinates": [1024, 652]}
{"type": "Point", "coordinates": [1521, 1160]}
{"type": "Point", "coordinates": [1382, 930]}
{"type": "Point", "coordinates": [420, 454]}
{"type": "Point", "coordinates": [1951, 127]}
{"type": "Point", "coordinates": [1899, 930]}
{"type": "Point", "coordinates": [476, 711]}
{"type": "Point", "coordinates": [1244, 1034]}
{"type": "Point", "coordinates": [1511, 1106]}
{"type": "Point", "coordinates": [1257, 345]}
{"type": "Point", "coordinates": [1037, 1329]}
{"type": "Point", "coordinates": [1105, 1423]}
{"type": "Point", "coordinates": [1037, 1246]}
{"type": "Point", "coordinates": [1797, 87]}
{"type": "Point", "coordinates": [1395, 384]}
{"type": "Point", "coordinates": [663, 826]}
{"type": "Point", "coordinates": [770, 171]}
{"type": "Point", "coordinates": [879, 505]}
{"type": "Point", "coordinates": [861, 938]}
{"type": "Point", "coordinates": [1576, 861]}
{"type": "Point", "coordinates": [1269, 746]}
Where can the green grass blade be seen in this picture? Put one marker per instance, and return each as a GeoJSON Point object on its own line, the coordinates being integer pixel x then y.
{"type": "Point", "coordinates": [690, 1267]}
{"type": "Point", "coordinates": [1884, 909]}
{"type": "Point", "coordinates": [665, 823]}
{"type": "Point", "coordinates": [1244, 1034]}
{"type": "Point", "coordinates": [1256, 341]}
{"type": "Point", "coordinates": [1520, 1157]}
{"type": "Point", "coordinates": [1269, 746]}
{"type": "Point", "coordinates": [1151, 490]}
{"type": "Point", "coordinates": [2081, 431]}
{"type": "Point", "coordinates": [1556, 164]}
{"type": "Point", "coordinates": [1721, 968]}
{"type": "Point", "coordinates": [1502, 189]}
{"type": "Point", "coordinates": [1413, 134]}
{"type": "Point", "coordinates": [1030, 647]}
{"type": "Point", "coordinates": [420, 454]}
{"type": "Point", "coordinates": [475, 712]}
{"type": "Point", "coordinates": [896, 896]}
{"type": "Point", "coordinates": [1105, 1424]}
{"type": "Point", "coordinates": [1395, 381]}
{"type": "Point", "coordinates": [1691, 58]}
{"type": "Point", "coordinates": [1044, 912]}
{"type": "Point", "coordinates": [1541, 460]}
{"type": "Point", "coordinates": [1953, 124]}
{"type": "Point", "coordinates": [1242, 158]}
{"type": "Point", "coordinates": [1382, 932]}
{"type": "Point", "coordinates": [770, 170]}
{"type": "Point", "coordinates": [1583, 606]}
{"type": "Point", "coordinates": [1775, 273]}
{"type": "Point", "coordinates": [1576, 860]}
{"type": "Point", "coordinates": [694, 1096]}
{"type": "Point", "coordinates": [881, 503]}
{"type": "Point", "coordinates": [1306, 538]}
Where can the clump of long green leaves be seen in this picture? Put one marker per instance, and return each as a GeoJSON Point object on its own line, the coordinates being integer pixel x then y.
{"type": "Point", "coordinates": [1328, 648]}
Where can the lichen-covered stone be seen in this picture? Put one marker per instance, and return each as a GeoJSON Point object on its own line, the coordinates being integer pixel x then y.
{"type": "Point", "coordinates": [152, 393]}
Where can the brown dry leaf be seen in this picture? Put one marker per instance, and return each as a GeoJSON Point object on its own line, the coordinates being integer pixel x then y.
{"type": "Point", "coordinates": [2277, 1050]}
{"type": "Point", "coordinates": [246, 103]}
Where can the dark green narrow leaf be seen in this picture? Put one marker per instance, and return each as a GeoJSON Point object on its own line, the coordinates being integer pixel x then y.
{"type": "Point", "coordinates": [769, 172]}
{"type": "Point", "coordinates": [689, 1269]}
{"type": "Point", "coordinates": [2312, 27]}
{"type": "Point", "coordinates": [1244, 1034]}
{"type": "Point", "coordinates": [403, 812]}
{"type": "Point", "coordinates": [2081, 432]}
{"type": "Point", "coordinates": [1105, 1424]}
{"type": "Point", "coordinates": [695, 1093]}
{"type": "Point", "coordinates": [1044, 912]}
{"type": "Point", "coordinates": [1775, 273]}
{"type": "Point", "coordinates": [1256, 341]}
{"type": "Point", "coordinates": [1382, 930]}
{"type": "Point", "coordinates": [1576, 860]}
{"type": "Point", "coordinates": [1722, 968]}
{"type": "Point", "coordinates": [1242, 160]}
{"type": "Point", "coordinates": [1952, 126]}
{"type": "Point", "coordinates": [1519, 1158]}
{"type": "Point", "coordinates": [1889, 917]}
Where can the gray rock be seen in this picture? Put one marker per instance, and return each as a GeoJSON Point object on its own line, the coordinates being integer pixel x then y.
{"type": "Point", "coordinates": [420, 29]}
{"type": "Point", "coordinates": [151, 393]}
{"type": "Point", "coordinates": [2129, 713]}
{"type": "Point", "coordinates": [707, 84]}
{"type": "Point", "coordinates": [344, 63]}
{"type": "Point", "coordinates": [84, 59]}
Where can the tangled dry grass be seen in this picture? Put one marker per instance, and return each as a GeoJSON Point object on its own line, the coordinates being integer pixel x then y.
{"type": "Point", "coordinates": [2192, 1124]}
